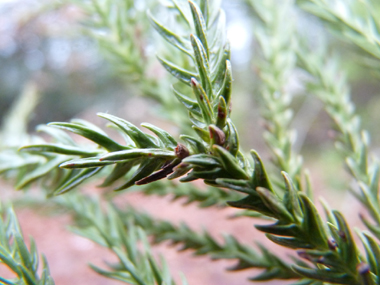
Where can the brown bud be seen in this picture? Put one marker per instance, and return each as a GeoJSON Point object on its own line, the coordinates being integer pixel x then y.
{"type": "Point", "coordinates": [221, 113]}
{"type": "Point", "coordinates": [165, 170]}
{"type": "Point", "coordinates": [181, 151]}
{"type": "Point", "coordinates": [217, 135]}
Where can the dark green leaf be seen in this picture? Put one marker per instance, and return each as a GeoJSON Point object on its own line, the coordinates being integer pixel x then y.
{"type": "Point", "coordinates": [138, 153]}
{"type": "Point", "coordinates": [209, 174]}
{"type": "Point", "coordinates": [147, 167]}
{"type": "Point", "coordinates": [346, 244]}
{"type": "Point", "coordinates": [275, 204]}
{"type": "Point", "coordinates": [230, 163]}
{"type": "Point", "coordinates": [325, 275]}
{"type": "Point", "coordinates": [166, 138]}
{"type": "Point", "coordinates": [90, 134]}
{"type": "Point", "coordinates": [268, 274]}
{"type": "Point", "coordinates": [235, 184]}
{"type": "Point", "coordinates": [195, 144]}
{"type": "Point", "coordinates": [203, 101]}
{"type": "Point", "coordinates": [259, 176]}
{"type": "Point", "coordinates": [202, 160]}
{"type": "Point", "coordinates": [203, 134]}
{"type": "Point", "coordinates": [60, 149]}
{"type": "Point", "coordinates": [85, 163]}
{"type": "Point", "coordinates": [139, 137]}
{"type": "Point", "coordinates": [289, 242]}
{"type": "Point", "coordinates": [252, 202]}
{"type": "Point", "coordinates": [312, 223]}
{"type": "Point", "coordinates": [119, 171]}
{"type": "Point", "coordinates": [280, 229]}
{"type": "Point", "coordinates": [233, 143]}
{"type": "Point", "coordinates": [291, 198]}
{"type": "Point", "coordinates": [188, 178]}
{"type": "Point", "coordinates": [76, 180]}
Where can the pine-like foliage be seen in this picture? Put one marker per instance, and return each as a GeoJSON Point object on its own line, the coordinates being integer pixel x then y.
{"type": "Point", "coordinates": [16, 256]}
{"type": "Point", "coordinates": [196, 52]}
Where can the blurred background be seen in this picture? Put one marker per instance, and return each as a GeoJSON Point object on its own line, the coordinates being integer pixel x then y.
{"type": "Point", "coordinates": [58, 52]}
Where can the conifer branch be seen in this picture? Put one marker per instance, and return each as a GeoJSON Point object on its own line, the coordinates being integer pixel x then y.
{"type": "Point", "coordinates": [215, 157]}
{"type": "Point", "coordinates": [123, 34]}
{"type": "Point", "coordinates": [129, 219]}
{"type": "Point", "coordinates": [155, 154]}
{"type": "Point", "coordinates": [16, 256]}
{"type": "Point", "coordinates": [190, 193]}
{"type": "Point", "coordinates": [297, 217]}
{"type": "Point", "coordinates": [41, 160]}
{"type": "Point", "coordinates": [277, 38]}
{"type": "Point", "coordinates": [353, 141]}
{"type": "Point", "coordinates": [118, 28]}
{"type": "Point", "coordinates": [355, 21]}
{"type": "Point", "coordinates": [205, 244]}
{"type": "Point", "coordinates": [122, 236]}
